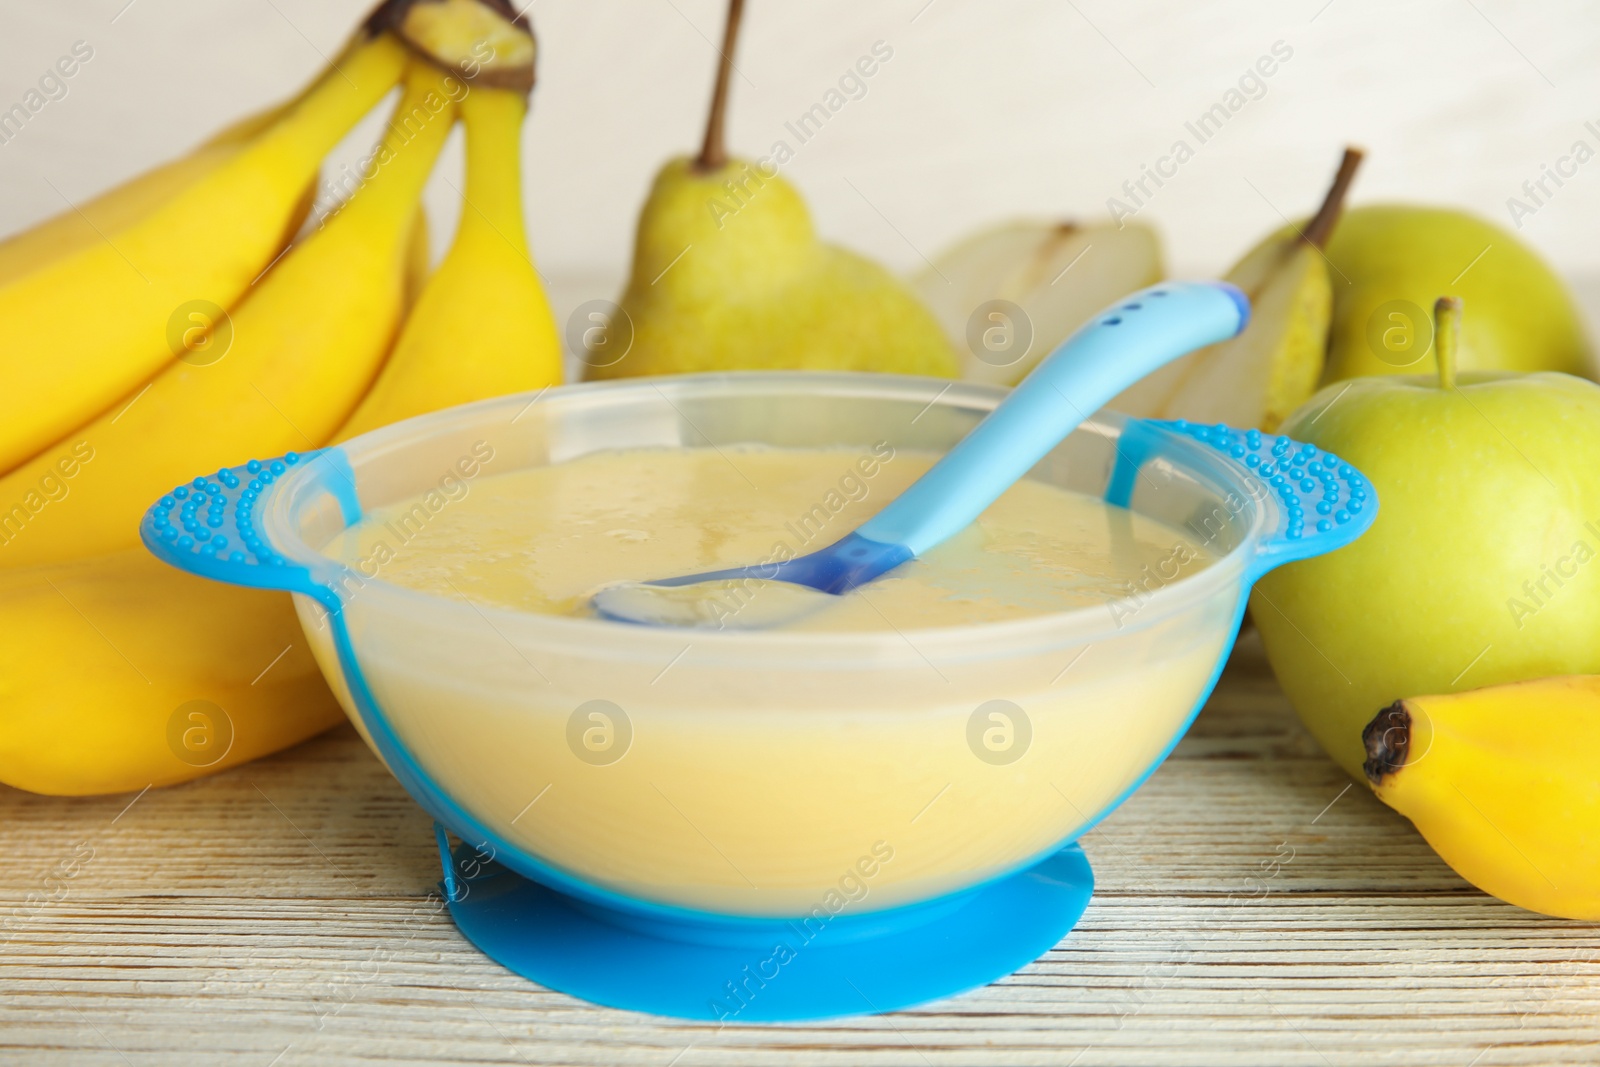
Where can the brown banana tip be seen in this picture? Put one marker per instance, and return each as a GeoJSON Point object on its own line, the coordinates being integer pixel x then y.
{"type": "Point", "coordinates": [1388, 741]}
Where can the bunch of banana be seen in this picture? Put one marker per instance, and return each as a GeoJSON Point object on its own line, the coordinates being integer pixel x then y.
{"type": "Point", "coordinates": [1501, 781]}
{"type": "Point", "coordinates": [119, 672]}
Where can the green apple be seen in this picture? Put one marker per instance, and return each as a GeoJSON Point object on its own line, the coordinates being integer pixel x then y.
{"type": "Point", "coordinates": [1390, 260]}
{"type": "Point", "coordinates": [1483, 565]}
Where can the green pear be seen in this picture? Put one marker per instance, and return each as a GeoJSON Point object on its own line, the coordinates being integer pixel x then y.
{"type": "Point", "coordinates": [1481, 566]}
{"type": "Point", "coordinates": [728, 273]}
{"type": "Point", "coordinates": [1391, 260]}
{"type": "Point", "coordinates": [1273, 366]}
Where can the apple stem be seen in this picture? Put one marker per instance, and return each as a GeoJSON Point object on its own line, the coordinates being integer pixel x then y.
{"type": "Point", "coordinates": [713, 151]}
{"type": "Point", "coordinates": [1447, 337]}
{"type": "Point", "coordinates": [1320, 228]}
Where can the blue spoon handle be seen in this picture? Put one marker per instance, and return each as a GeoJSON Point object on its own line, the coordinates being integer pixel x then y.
{"type": "Point", "coordinates": [1123, 344]}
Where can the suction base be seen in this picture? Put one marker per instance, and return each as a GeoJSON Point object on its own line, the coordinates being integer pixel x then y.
{"type": "Point", "coordinates": [744, 970]}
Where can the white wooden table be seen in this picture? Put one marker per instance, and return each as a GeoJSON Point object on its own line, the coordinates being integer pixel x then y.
{"type": "Point", "coordinates": [1252, 907]}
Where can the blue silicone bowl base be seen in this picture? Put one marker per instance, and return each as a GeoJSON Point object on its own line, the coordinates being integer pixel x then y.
{"type": "Point", "coordinates": [780, 971]}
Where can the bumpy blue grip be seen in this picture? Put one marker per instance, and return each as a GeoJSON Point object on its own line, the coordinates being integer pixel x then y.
{"type": "Point", "coordinates": [1318, 501]}
{"type": "Point", "coordinates": [209, 526]}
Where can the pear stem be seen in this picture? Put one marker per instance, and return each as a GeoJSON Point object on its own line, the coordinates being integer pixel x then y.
{"type": "Point", "coordinates": [1320, 228]}
{"type": "Point", "coordinates": [713, 151]}
{"type": "Point", "coordinates": [1447, 337]}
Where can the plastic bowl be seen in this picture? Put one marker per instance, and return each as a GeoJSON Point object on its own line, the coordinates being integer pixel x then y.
{"type": "Point", "coordinates": [707, 779]}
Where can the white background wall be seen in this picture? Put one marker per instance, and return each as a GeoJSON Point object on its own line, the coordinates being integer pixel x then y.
{"type": "Point", "coordinates": [985, 110]}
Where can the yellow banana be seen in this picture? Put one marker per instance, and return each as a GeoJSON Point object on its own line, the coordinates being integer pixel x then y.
{"type": "Point", "coordinates": [482, 326]}
{"type": "Point", "coordinates": [119, 672]}
{"type": "Point", "coordinates": [86, 329]}
{"type": "Point", "coordinates": [1504, 782]}
{"type": "Point", "coordinates": [80, 226]}
{"type": "Point", "coordinates": [305, 346]}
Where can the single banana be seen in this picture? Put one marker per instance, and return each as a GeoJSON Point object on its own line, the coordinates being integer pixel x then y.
{"type": "Point", "coordinates": [86, 329]}
{"type": "Point", "coordinates": [119, 672]}
{"type": "Point", "coordinates": [78, 228]}
{"type": "Point", "coordinates": [482, 326]}
{"type": "Point", "coordinates": [116, 209]}
{"type": "Point", "coordinates": [1504, 782]}
{"type": "Point", "coordinates": [305, 346]}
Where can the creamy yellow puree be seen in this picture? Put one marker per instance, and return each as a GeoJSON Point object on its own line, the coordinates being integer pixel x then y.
{"type": "Point", "coordinates": [786, 774]}
{"type": "Point", "coordinates": [544, 539]}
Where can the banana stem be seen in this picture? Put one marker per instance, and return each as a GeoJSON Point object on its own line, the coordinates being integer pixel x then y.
{"type": "Point", "coordinates": [493, 122]}
{"type": "Point", "coordinates": [1320, 228]}
{"type": "Point", "coordinates": [713, 150]}
{"type": "Point", "coordinates": [404, 156]}
{"type": "Point", "coordinates": [1447, 337]}
{"type": "Point", "coordinates": [324, 113]}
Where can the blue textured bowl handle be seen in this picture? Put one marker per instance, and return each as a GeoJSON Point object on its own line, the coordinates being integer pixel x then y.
{"type": "Point", "coordinates": [1316, 502]}
{"type": "Point", "coordinates": [209, 526]}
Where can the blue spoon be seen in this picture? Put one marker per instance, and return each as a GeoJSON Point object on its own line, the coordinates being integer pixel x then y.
{"type": "Point", "coordinates": [1124, 343]}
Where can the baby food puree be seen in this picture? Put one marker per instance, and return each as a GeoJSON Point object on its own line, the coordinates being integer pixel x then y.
{"type": "Point", "coordinates": [750, 773]}
{"type": "Point", "coordinates": [544, 539]}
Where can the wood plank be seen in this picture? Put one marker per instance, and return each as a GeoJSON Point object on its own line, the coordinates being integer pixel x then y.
{"type": "Point", "coordinates": [1253, 907]}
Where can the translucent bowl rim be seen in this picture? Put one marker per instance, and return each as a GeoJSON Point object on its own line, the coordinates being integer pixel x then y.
{"type": "Point", "coordinates": [1082, 625]}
